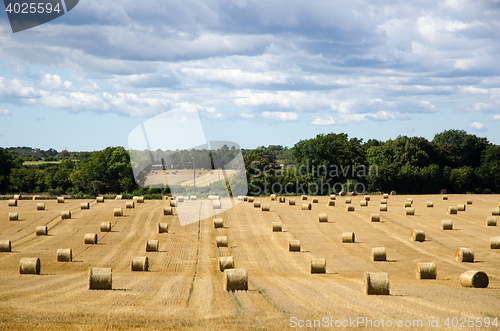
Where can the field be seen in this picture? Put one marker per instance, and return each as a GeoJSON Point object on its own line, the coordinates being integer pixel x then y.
{"type": "Point", "coordinates": [185, 177]}
{"type": "Point", "coordinates": [184, 288]}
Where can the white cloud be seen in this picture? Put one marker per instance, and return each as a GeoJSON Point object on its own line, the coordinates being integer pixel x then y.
{"type": "Point", "coordinates": [5, 112]}
{"type": "Point", "coordinates": [280, 116]}
{"type": "Point", "coordinates": [476, 126]}
{"type": "Point", "coordinates": [496, 117]}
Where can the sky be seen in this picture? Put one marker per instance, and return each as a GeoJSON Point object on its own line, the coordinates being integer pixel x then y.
{"type": "Point", "coordinates": [257, 72]}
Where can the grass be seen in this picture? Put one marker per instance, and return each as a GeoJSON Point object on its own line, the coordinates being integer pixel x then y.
{"type": "Point", "coordinates": [27, 163]}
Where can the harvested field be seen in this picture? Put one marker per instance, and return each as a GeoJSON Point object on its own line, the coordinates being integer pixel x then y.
{"type": "Point", "coordinates": [184, 287]}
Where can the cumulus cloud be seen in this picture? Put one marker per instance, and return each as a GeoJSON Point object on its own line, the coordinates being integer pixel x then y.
{"type": "Point", "coordinates": [280, 116]}
{"type": "Point", "coordinates": [5, 112]}
{"type": "Point", "coordinates": [476, 126]}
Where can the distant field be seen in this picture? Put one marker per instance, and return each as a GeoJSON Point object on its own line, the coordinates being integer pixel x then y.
{"type": "Point", "coordinates": [40, 162]}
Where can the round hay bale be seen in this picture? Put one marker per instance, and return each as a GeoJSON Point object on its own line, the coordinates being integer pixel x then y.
{"type": "Point", "coordinates": [281, 199]}
{"type": "Point", "coordinates": [245, 198]}
{"type": "Point", "coordinates": [410, 211]}
{"type": "Point", "coordinates": [306, 206]}
{"type": "Point", "coordinates": [469, 201]}
{"type": "Point", "coordinates": [235, 280]}
{"type": "Point", "coordinates": [266, 207]}
{"type": "Point", "coordinates": [162, 228]}
{"type": "Point", "coordinates": [216, 197]}
{"type": "Point", "coordinates": [90, 238]}
{"type": "Point", "coordinates": [41, 230]}
{"type": "Point", "coordinates": [99, 200]}
{"type": "Point", "coordinates": [474, 278]}
{"type": "Point", "coordinates": [491, 221]}
{"type": "Point", "coordinates": [348, 237]}
{"type": "Point", "coordinates": [173, 203]}
{"type": "Point", "coordinates": [273, 197]}
{"type": "Point", "coordinates": [60, 199]}
{"type": "Point", "coordinates": [118, 212]}
{"type": "Point", "coordinates": [349, 208]}
{"type": "Point", "coordinates": [347, 201]}
{"type": "Point", "coordinates": [318, 265]}
{"type": "Point", "coordinates": [221, 241]}
{"type": "Point", "coordinates": [152, 245]}
{"type": "Point", "coordinates": [378, 254]}
{"type": "Point", "coordinates": [65, 215]}
{"type": "Point", "coordinates": [294, 245]}
{"type": "Point", "coordinates": [464, 255]}
{"type": "Point", "coordinates": [393, 193]}
{"type": "Point", "coordinates": [240, 198]}
{"type": "Point", "coordinates": [251, 199]}
{"type": "Point", "coordinates": [323, 217]}
{"type": "Point", "coordinates": [352, 194]}
{"type": "Point", "coordinates": [217, 205]}
{"type": "Point", "coordinates": [303, 197]}
{"type": "Point", "coordinates": [218, 223]}
{"type": "Point", "coordinates": [410, 200]}
{"type": "Point", "coordinates": [447, 225]}
{"type": "Point", "coordinates": [426, 270]}
{"type": "Point", "coordinates": [193, 197]}
{"type": "Point", "coordinates": [138, 199]}
{"type": "Point", "coordinates": [17, 197]}
{"type": "Point", "coordinates": [363, 203]}
{"type": "Point", "coordinates": [29, 265]}
{"type": "Point", "coordinates": [383, 201]}
{"type": "Point", "coordinates": [451, 210]}
{"type": "Point", "coordinates": [495, 211]}
{"type": "Point", "coordinates": [100, 278]}
{"type": "Point", "coordinates": [445, 197]}
{"type": "Point", "coordinates": [494, 243]}
{"type": "Point", "coordinates": [385, 196]}
{"type": "Point", "coordinates": [407, 204]}
{"type": "Point", "coordinates": [139, 263]}
{"type": "Point", "coordinates": [13, 216]}
{"type": "Point", "coordinates": [64, 255]}
{"type": "Point", "coordinates": [12, 203]}
{"type": "Point", "coordinates": [256, 204]}
{"type": "Point", "coordinates": [291, 202]}
{"type": "Point", "coordinates": [366, 198]}
{"type": "Point", "coordinates": [180, 199]}
{"type": "Point", "coordinates": [461, 207]}
{"type": "Point", "coordinates": [277, 227]}
{"type": "Point", "coordinates": [106, 227]}
{"type": "Point", "coordinates": [383, 208]}
{"type": "Point", "coordinates": [332, 197]}
{"type": "Point", "coordinates": [168, 211]}
{"type": "Point", "coordinates": [226, 262]}
{"type": "Point", "coordinates": [377, 283]}
{"type": "Point", "coordinates": [5, 246]}
{"type": "Point", "coordinates": [187, 198]}
{"type": "Point", "coordinates": [375, 217]}
{"type": "Point", "coordinates": [40, 206]}
{"type": "Point", "coordinates": [342, 194]}
{"type": "Point", "coordinates": [130, 204]}
{"type": "Point", "coordinates": [417, 235]}
{"type": "Point", "coordinates": [331, 203]}
{"type": "Point", "coordinates": [430, 204]}
{"type": "Point", "coordinates": [84, 205]}
{"type": "Point", "coordinates": [315, 200]}
{"type": "Point", "coordinates": [119, 197]}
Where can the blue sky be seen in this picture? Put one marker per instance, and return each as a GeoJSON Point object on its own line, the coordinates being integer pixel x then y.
{"type": "Point", "coordinates": [258, 72]}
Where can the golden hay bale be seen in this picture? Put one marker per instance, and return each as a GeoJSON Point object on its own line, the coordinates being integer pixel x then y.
{"type": "Point", "coordinates": [99, 200]}
{"type": "Point", "coordinates": [218, 223]}
{"type": "Point", "coordinates": [426, 270]}
{"type": "Point", "coordinates": [90, 238]}
{"type": "Point", "coordinates": [138, 199]}
{"type": "Point", "coordinates": [180, 199]}
{"type": "Point", "coordinates": [281, 199]}
{"type": "Point", "coordinates": [221, 241]}
{"type": "Point", "coordinates": [64, 255]}
{"type": "Point", "coordinates": [352, 194]}
{"type": "Point", "coordinates": [17, 197]}
{"type": "Point", "coordinates": [245, 198]}
{"type": "Point", "coordinates": [162, 228]}
{"type": "Point", "coordinates": [342, 194]}
{"type": "Point", "coordinates": [385, 196]}
{"type": "Point", "coordinates": [393, 193]}
{"type": "Point", "coordinates": [464, 255]}
{"type": "Point", "coordinates": [226, 262]}
{"type": "Point", "coordinates": [306, 206]}
{"type": "Point", "coordinates": [273, 197]}
{"type": "Point", "coordinates": [41, 230]}
{"type": "Point", "coordinates": [430, 204]}
{"type": "Point", "coordinates": [469, 201]}
{"type": "Point", "coordinates": [294, 245]}
{"type": "Point", "coordinates": [417, 235]}
{"type": "Point", "coordinates": [367, 198]}
{"type": "Point", "coordinates": [12, 203]}
{"type": "Point", "coordinates": [410, 211]}
{"type": "Point", "coordinates": [36, 197]}
{"type": "Point", "coordinates": [139, 263]}
{"type": "Point", "coordinates": [303, 197]}
{"type": "Point", "coordinates": [363, 203]}
{"type": "Point", "coordinates": [100, 278]}
{"type": "Point", "coordinates": [217, 204]}
{"type": "Point", "coordinates": [13, 216]}
{"type": "Point", "coordinates": [40, 206]}
{"type": "Point", "coordinates": [251, 199]}
{"type": "Point", "coordinates": [266, 207]}
{"type": "Point", "coordinates": [495, 211]}
{"type": "Point", "coordinates": [491, 221]}
{"type": "Point", "coordinates": [5, 246]}
{"type": "Point", "coordinates": [84, 205]}
{"type": "Point", "coordinates": [349, 208]}
{"type": "Point", "coordinates": [168, 211]}
{"type": "Point", "coordinates": [383, 201]}
{"type": "Point", "coordinates": [383, 208]}
{"type": "Point", "coordinates": [130, 204]}
{"type": "Point", "coordinates": [315, 200]}
{"type": "Point", "coordinates": [152, 245]}
{"type": "Point", "coordinates": [347, 201]}
{"type": "Point", "coordinates": [119, 197]}
{"type": "Point", "coordinates": [445, 197]}
{"type": "Point", "coordinates": [216, 197]}
{"type": "Point", "coordinates": [461, 207]}
{"type": "Point", "coordinates": [291, 202]}
{"type": "Point", "coordinates": [377, 283]}
{"type": "Point", "coordinates": [474, 278]}
{"type": "Point", "coordinates": [332, 197]}
{"type": "Point", "coordinates": [378, 254]}
{"type": "Point", "coordinates": [65, 215]}
{"type": "Point", "coordinates": [407, 204]}
{"type": "Point", "coordinates": [277, 227]}
{"type": "Point", "coordinates": [193, 197]}
{"type": "Point", "coordinates": [256, 204]}
{"type": "Point", "coordinates": [323, 217]}
{"type": "Point", "coordinates": [348, 237]}
{"type": "Point", "coordinates": [494, 243]}
{"type": "Point", "coordinates": [235, 280]}
{"type": "Point", "coordinates": [173, 203]}
{"type": "Point", "coordinates": [375, 217]}
{"type": "Point", "coordinates": [447, 225]}
{"type": "Point", "coordinates": [331, 203]}
{"type": "Point", "coordinates": [410, 200]}
{"type": "Point", "coordinates": [318, 265]}
{"type": "Point", "coordinates": [187, 198]}
{"type": "Point", "coordinates": [106, 227]}
{"type": "Point", "coordinates": [451, 210]}
{"type": "Point", "coordinates": [29, 265]}
{"type": "Point", "coordinates": [240, 198]}
{"type": "Point", "coordinates": [118, 212]}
